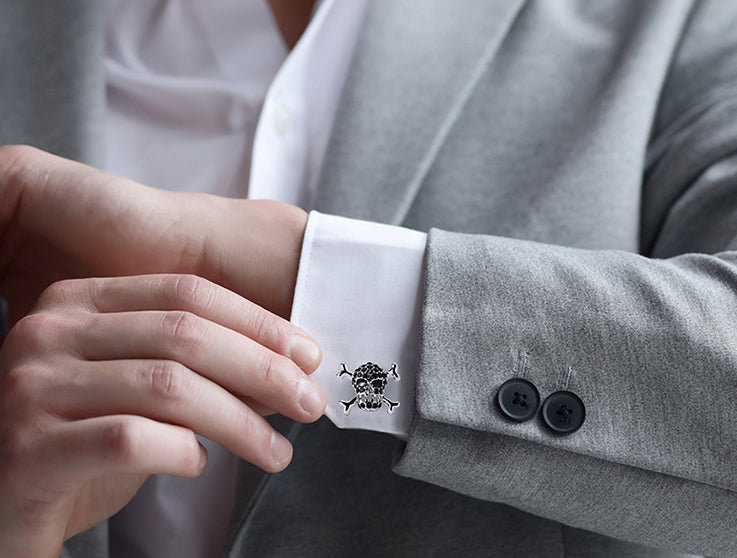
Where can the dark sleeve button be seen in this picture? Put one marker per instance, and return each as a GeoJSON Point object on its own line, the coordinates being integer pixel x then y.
{"type": "Point", "coordinates": [518, 399]}
{"type": "Point", "coordinates": [563, 412]}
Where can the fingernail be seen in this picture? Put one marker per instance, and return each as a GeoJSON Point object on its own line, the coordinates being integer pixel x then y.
{"type": "Point", "coordinates": [303, 351]}
{"type": "Point", "coordinates": [203, 458]}
{"type": "Point", "coordinates": [310, 397]}
{"type": "Point", "coordinates": [281, 449]}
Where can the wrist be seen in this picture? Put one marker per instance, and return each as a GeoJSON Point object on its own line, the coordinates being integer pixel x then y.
{"type": "Point", "coordinates": [253, 248]}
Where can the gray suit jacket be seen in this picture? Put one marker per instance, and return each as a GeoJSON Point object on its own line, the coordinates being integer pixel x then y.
{"type": "Point", "coordinates": [590, 148]}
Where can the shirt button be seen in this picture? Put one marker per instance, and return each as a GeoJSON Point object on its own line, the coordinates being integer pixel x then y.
{"type": "Point", "coordinates": [563, 412]}
{"type": "Point", "coordinates": [282, 118]}
{"type": "Point", "coordinates": [518, 399]}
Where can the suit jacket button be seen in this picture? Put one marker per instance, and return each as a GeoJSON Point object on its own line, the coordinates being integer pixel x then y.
{"type": "Point", "coordinates": [518, 399]}
{"type": "Point", "coordinates": [563, 412]}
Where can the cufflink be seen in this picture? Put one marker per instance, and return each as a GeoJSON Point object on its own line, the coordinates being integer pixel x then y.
{"type": "Point", "coordinates": [369, 382]}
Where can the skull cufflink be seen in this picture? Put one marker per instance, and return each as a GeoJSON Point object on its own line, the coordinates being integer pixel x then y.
{"type": "Point", "coordinates": [369, 381]}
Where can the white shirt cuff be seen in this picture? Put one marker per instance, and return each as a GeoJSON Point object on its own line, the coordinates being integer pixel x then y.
{"type": "Point", "coordinates": [359, 294]}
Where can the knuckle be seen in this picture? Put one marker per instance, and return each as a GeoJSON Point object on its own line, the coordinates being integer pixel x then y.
{"type": "Point", "coordinates": [35, 331]}
{"type": "Point", "coordinates": [122, 440]}
{"type": "Point", "coordinates": [19, 385]}
{"type": "Point", "coordinates": [21, 166]}
{"type": "Point", "coordinates": [168, 382]}
{"type": "Point", "coordinates": [21, 170]}
{"type": "Point", "coordinates": [268, 332]}
{"type": "Point", "coordinates": [59, 292]}
{"type": "Point", "coordinates": [184, 329]}
{"type": "Point", "coordinates": [52, 294]}
{"type": "Point", "coordinates": [245, 423]}
{"type": "Point", "coordinates": [192, 291]}
{"type": "Point", "coordinates": [14, 151]}
{"type": "Point", "coordinates": [273, 368]}
{"type": "Point", "coordinates": [14, 159]}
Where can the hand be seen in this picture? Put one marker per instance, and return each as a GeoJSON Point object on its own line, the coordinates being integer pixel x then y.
{"type": "Point", "coordinates": [60, 219]}
{"type": "Point", "coordinates": [106, 381]}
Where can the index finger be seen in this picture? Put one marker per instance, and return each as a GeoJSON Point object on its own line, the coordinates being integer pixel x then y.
{"type": "Point", "coordinates": [193, 294]}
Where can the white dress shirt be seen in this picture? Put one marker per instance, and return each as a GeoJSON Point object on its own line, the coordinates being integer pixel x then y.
{"type": "Point", "coordinates": [206, 97]}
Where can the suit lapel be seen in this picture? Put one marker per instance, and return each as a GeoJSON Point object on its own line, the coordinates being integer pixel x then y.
{"type": "Point", "coordinates": [415, 66]}
{"type": "Point", "coordinates": [52, 90]}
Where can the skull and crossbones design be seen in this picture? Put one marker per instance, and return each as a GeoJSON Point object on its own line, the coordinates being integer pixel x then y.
{"type": "Point", "coordinates": [369, 381]}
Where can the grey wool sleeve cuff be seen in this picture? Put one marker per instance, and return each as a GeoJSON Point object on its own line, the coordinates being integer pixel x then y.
{"type": "Point", "coordinates": [647, 345]}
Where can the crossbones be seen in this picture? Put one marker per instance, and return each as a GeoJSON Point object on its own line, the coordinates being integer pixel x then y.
{"type": "Point", "coordinates": [369, 381]}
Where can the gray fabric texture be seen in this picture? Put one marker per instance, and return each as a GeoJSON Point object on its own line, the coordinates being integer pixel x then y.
{"type": "Point", "coordinates": [52, 80]}
{"type": "Point", "coordinates": [566, 155]}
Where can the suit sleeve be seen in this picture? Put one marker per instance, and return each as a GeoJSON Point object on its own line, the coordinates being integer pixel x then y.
{"type": "Point", "coordinates": [649, 344]}
{"type": "Point", "coordinates": [650, 347]}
